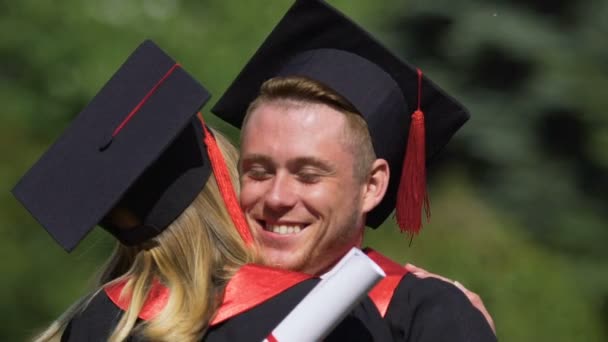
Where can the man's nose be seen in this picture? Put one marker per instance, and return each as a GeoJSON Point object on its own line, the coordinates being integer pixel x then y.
{"type": "Point", "coordinates": [282, 194]}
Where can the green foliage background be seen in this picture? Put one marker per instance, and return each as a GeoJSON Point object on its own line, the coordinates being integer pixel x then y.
{"type": "Point", "coordinates": [519, 198]}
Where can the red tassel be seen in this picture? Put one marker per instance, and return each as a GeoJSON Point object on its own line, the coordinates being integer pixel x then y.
{"type": "Point", "coordinates": [412, 195]}
{"type": "Point", "coordinates": [222, 177]}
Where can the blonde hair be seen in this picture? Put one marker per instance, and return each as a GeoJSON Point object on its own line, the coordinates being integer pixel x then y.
{"type": "Point", "coordinates": [298, 90]}
{"type": "Point", "coordinates": [194, 258]}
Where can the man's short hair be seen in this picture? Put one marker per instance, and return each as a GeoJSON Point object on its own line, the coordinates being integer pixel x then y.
{"type": "Point", "coordinates": [294, 91]}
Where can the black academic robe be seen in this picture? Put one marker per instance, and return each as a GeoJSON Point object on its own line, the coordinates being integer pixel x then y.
{"type": "Point", "coordinates": [426, 310]}
{"type": "Point", "coordinates": [234, 322]}
{"type": "Point", "coordinates": [413, 309]}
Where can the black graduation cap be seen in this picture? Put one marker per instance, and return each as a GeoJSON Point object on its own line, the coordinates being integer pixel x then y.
{"type": "Point", "coordinates": [316, 41]}
{"type": "Point", "coordinates": [137, 146]}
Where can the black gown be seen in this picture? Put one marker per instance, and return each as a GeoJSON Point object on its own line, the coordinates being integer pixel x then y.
{"type": "Point", "coordinates": [431, 310]}
{"type": "Point", "coordinates": [364, 323]}
{"type": "Point", "coordinates": [427, 310]}
{"type": "Point", "coordinates": [402, 308]}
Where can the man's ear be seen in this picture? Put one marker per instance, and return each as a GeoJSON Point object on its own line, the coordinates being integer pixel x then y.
{"type": "Point", "coordinates": [376, 184]}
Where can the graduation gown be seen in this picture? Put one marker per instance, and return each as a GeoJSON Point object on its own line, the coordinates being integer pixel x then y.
{"type": "Point", "coordinates": [425, 310]}
{"type": "Point", "coordinates": [256, 300]}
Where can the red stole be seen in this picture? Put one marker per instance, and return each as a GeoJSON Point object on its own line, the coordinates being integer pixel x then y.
{"type": "Point", "coordinates": [155, 302]}
{"type": "Point", "coordinates": [383, 292]}
{"type": "Point", "coordinates": [253, 284]}
{"type": "Point", "coordinates": [250, 286]}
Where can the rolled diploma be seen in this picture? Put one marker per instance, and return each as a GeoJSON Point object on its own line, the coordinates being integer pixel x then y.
{"type": "Point", "coordinates": [345, 285]}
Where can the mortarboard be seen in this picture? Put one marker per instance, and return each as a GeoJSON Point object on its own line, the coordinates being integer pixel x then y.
{"type": "Point", "coordinates": [138, 145]}
{"type": "Point", "coordinates": [316, 41]}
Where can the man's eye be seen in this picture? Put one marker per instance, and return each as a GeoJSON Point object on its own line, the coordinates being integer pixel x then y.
{"type": "Point", "coordinates": [257, 173]}
{"type": "Point", "coordinates": [309, 177]}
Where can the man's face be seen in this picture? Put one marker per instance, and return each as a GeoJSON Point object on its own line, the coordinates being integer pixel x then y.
{"type": "Point", "coordinates": [298, 188]}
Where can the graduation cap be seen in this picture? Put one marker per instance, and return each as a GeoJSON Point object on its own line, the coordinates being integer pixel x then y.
{"type": "Point", "coordinates": [316, 41]}
{"type": "Point", "coordinates": [137, 147]}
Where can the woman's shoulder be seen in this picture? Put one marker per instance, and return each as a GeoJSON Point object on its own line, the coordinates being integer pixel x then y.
{"type": "Point", "coordinates": [95, 321]}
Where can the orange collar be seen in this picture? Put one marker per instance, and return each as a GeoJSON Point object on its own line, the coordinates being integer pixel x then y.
{"type": "Point", "coordinates": [383, 292]}
{"type": "Point", "coordinates": [250, 286]}
{"type": "Point", "coordinates": [254, 284]}
{"type": "Point", "coordinates": [155, 302]}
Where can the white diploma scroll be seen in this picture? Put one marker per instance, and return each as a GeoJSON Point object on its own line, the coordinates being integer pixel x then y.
{"type": "Point", "coordinates": [343, 287]}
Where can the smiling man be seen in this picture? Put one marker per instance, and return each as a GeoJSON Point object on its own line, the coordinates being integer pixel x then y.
{"type": "Point", "coordinates": [304, 199]}
{"type": "Point", "coordinates": [336, 133]}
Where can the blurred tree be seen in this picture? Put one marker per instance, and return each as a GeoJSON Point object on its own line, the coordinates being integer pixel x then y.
{"type": "Point", "coordinates": [535, 83]}
{"type": "Point", "coordinates": [534, 75]}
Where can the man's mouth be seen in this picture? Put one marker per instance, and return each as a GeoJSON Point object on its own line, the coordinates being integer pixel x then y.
{"type": "Point", "coordinates": [283, 228]}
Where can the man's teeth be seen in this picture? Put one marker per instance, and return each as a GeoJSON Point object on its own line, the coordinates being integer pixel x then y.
{"type": "Point", "coordinates": [283, 229]}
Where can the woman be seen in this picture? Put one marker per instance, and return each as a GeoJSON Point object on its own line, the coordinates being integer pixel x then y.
{"type": "Point", "coordinates": [194, 257]}
{"type": "Point", "coordinates": [145, 176]}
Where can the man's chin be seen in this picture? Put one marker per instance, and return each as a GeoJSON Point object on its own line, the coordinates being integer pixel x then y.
{"type": "Point", "coordinates": [282, 259]}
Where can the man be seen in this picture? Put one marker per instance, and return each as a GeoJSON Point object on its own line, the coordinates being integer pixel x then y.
{"type": "Point", "coordinates": [324, 154]}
